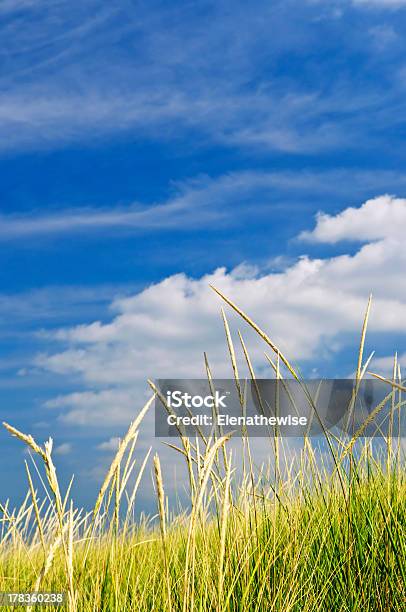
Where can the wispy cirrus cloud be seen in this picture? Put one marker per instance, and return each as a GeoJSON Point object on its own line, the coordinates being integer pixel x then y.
{"type": "Point", "coordinates": [73, 221]}
{"type": "Point", "coordinates": [204, 201]}
{"type": "Point", "coordinates": [292, 122]}
{"type": "Point", "coordinates": [79, 71]}
{"type": "Point", "coordinates": [381, 3]}
{"type": "Point", "coordinates": [53, 304]}
{"type": "Point", "coordinates": [197, 203]}
{"type": "Point", "coordinates": [10, 6]}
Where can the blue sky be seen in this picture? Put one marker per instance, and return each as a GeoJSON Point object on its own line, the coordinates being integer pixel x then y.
{"type": "Point", "coordinates": [149, 148]}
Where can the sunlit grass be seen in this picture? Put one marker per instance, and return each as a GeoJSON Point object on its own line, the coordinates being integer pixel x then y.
{"type": "Point", "coordinates": [323, 530]}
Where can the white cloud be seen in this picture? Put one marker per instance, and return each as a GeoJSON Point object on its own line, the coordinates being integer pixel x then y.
{"type": "Point", "coordinates": [379, 218]}
{"type": "Point", "coordinates": [70, 75]}
{"type": "Point", "coordinates": [34, 118]}
{"type": "Point", "coordinates": [209, 202]}
{"type": "Point", "coordinates": [55, 303]}
{"type": "Point", "coordinates": [200, 201]}
{"type": "Point", "coordinates": [63, 449]}
{"type": "Point", "coordinates": [381, 3]}
{"type": "Point", "coordinates": [109, 445]}
{"type": "Point", "coordinates": [383, 36]}
{"type": "Point", "coordinates": [69, 221]}
{"type": "Point", "coordinates": [10, 6]}
{"type": "Point", "coordinates": [309, 309]}
{"type": "Point", "coordinates": [384, 365]}
{"type": "Point", "coordinates": [95, 408]}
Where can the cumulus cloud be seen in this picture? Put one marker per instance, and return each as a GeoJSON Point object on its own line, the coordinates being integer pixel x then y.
{"type": "Point", "coordinates": [377, 219]}
{"type": "Point", "coordinates": [109, 445]}
{"type": "Point", "coordinates": [308, 309]}
{"type": "Point", "coordinates": [63, 449]}
{"type": "Point", "coordinates": [384, 365]}
{"type": "Point", "coordinates": [107, 406]}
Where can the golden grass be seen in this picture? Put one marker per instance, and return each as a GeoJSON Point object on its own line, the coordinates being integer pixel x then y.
{"type": "Point", "coordinates": [322, 529]}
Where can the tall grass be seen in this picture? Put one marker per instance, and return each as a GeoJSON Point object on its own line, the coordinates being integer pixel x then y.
{"type": "Point", "coordinates": [322, 530]}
